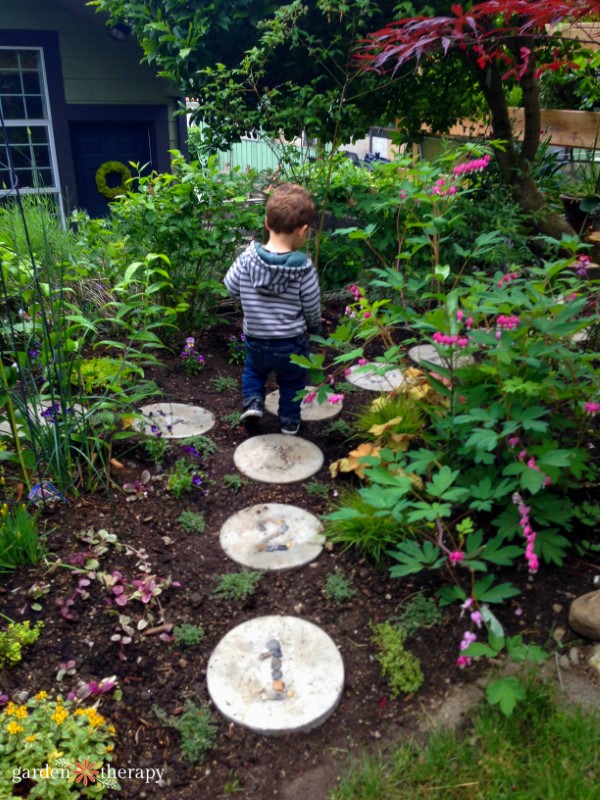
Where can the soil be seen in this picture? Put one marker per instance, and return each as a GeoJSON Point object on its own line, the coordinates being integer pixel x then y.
{"type": "Point", "coordinates": [153, 672]}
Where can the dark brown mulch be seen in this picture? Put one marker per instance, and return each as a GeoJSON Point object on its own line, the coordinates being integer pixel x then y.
{"type": "Point", "coordinates": [156, 673]}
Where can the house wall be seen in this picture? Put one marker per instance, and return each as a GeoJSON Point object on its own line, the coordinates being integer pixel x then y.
{"type": "Point", "coordinates": [96, 69]}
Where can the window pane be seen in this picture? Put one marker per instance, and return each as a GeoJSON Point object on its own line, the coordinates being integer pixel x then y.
{"type": "Point", "coordinates": [31, 83]}
{"type": "Point", "coordinates": [8, 58]}
{"type": "Point", "coordinates": [35, 108]}
{"type": "Point", "coordinates": [41, 154]}
{"type": "Point", "coordinates": [21, 157]}
{"type": "Point", "coordinates": [10, 83]}
{"type": "Point", "coordinates": [12, 107]}
{"type": "Point", "coordinates": [17, 134]}
{"type": "Point", "coordinates": [25, 178]}
{"type": "Point", "coordinates": [29, 59]}
{"type": "Point", "coordinates": [23, 98]}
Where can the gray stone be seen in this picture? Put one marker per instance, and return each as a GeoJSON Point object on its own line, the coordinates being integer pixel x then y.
{"type": "Point", "coordinates": [273, 644]}
{"type": "Point", "coordinates": [584, 615]}
{"type": "Point", "coordinates": [276, 674]}
{"type": "Point", "coordinates": [276, 663]}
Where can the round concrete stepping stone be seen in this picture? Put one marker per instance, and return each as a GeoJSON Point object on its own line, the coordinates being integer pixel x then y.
{"type": "Point", "coordinates": [272, 536]}
{"type": "Point", "coordinates": [241, 675]}
{"type": "Point", "coordinates": [277, 458]}
{"type": "Point", "coordinates": [175, 420]}
{"type": "Point", "coordinates": [581, 336]}
{"type": "Point", "coordinates": [310, 412]}
{"type": "Point", "coordinates": [76, 409]}
{"type": "Point", "coordinates": [427, 352]}
{"type": "Point", "coordinates": [387, 382]}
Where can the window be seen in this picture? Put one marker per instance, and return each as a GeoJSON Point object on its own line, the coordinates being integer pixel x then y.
{"type": "Point", "coordinates": [28, 128]}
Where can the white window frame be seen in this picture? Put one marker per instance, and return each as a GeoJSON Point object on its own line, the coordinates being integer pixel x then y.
{"type": "Point", "coordinates": [55, 189]}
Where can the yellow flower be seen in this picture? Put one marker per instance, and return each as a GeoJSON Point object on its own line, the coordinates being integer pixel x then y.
{"type": "Point", "coordinates": [60, 715]}
{"type": "Point", "coordinates": [40, 696]}
{"type": "Point", "coordinates": [95, 719]}
{"type": "Point", "coordinates": [81, 711]}
{"type": "Point", "coordinates": [14, 728]}
{"type": "Point", "coordinates": [112, 730]}
{"type": "Point", "coordinates": [109, 748]}
{"type": "Point", "coordinates": [31, 738]}
{"type": "Point", "coordinates": [10, 709]}
{"type": "Point", "coordinates": [21, 712]}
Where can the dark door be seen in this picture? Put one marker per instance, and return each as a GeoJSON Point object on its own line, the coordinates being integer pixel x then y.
{"type": "Point", "coordinates": [96, 142]}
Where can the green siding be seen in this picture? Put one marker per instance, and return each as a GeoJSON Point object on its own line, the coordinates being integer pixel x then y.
{"type": "Point", "coordinates": [96, 69]}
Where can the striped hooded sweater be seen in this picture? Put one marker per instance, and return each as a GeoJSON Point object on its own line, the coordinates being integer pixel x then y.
{"type": "Point", "coordinates": [279, 292]}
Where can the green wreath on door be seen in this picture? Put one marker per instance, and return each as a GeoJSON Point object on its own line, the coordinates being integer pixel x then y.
{"type": "Point", "coordinates": [108, 168]}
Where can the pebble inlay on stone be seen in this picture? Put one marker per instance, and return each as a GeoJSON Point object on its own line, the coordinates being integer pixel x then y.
{"type": "Point", "coordinates": [427, 352]}
{"type": "Point", "coordinates": [272, 536]}
{"type": "Point", "coordinates": [367, 379]}
{"type": "Point", "coordinates": [310, 412]}
{"type": "Point", "coordinates": [276, 675]}
{"type": "Point", "coordinates": [175, 420]}
{"type": "Point", "coordinates": [276, 458]}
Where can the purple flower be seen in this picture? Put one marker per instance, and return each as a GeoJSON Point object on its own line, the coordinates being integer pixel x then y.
{"type": "Point", "coordinates": [197, 480]}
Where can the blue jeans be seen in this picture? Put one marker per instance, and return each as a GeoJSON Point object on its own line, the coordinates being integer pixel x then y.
{"type": "Point", "coordinates": [273, 355]}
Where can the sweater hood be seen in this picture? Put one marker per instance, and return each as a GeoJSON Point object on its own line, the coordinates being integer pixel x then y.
{"type": "Point", "coordinates": [271, 273]}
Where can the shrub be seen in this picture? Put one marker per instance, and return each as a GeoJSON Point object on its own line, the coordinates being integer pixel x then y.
{"type": "Point", "coordinates": [199, 217]}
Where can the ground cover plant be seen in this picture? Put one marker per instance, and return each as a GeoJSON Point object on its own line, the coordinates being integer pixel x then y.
{"type": "Point", "coordinates": [458, 511]}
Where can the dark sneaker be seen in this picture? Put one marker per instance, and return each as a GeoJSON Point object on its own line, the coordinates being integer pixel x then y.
{"type": "Point", "coordinates": [254, 409]}
{"type": "Point", "coordinates": [290, 427]}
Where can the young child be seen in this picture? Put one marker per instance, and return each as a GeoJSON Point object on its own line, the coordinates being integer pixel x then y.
{"type": "Point", "coordinates": [279, 292]}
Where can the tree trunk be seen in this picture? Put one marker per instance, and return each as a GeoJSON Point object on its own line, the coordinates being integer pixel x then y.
{"type": "Point", "coordinates": [516, 166]}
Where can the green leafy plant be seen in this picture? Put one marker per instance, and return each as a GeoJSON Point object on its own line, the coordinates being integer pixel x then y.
{"type": "Point", "coordinates": [238, 585]}
{"type": "Point", "coordinates": [232, 419]}
{"type": "Point", "coordinates": [356, 522]}
{"type": "Point", "coordinates": [14, 638]}
{"type": "Point", "coordinates": [236, 350]}
{"type": "Point", "coordinates": [192, 521]}
{"type": "Point", "coordinates": [188, 635]}
{"type": "Point", "coordinates": [419, 612]}
{"type": "Point", "coordinates": [43, 741]}
{"type": "Point", "coordinates": [191, 360]}
{"type": "Point", "coordinates": [318, 489]}
{"type": "Point", "coordinates": [338, 588]}
{"type": "Point", "coordinates": [223, 383]}
{"type": "Point", "coordinates": [20, 540]}
{"type": "Point", "coordinates": [338, 428]}
{"type": "Point", "coordinates": [203, 445]}
{"type": "Point", "coordinates": [234, 482]}
{"type": "Point", "coordinates": [99, 374]}
{"type": "Point", "coordinates": [400, 667]}
{"type": "Point", "coordinates": [400, 413]}
{"type": "Point", "coordinates": [183, 477]}
{"type": "Point", "coordinates": [157, 448]}
{"type": "Point", "coordinates": [196, 728]}
{"type": "Point", "coordinates": [199, 216]}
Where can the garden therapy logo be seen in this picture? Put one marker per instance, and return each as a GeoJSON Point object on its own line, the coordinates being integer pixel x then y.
{"type": "Point", "coordinates": [86, 772]}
